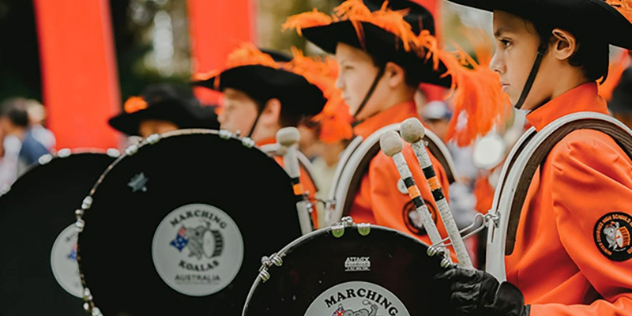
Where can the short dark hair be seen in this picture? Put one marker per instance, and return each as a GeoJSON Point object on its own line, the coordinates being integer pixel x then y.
{"type": "Point", "coordinates": [411, 78]}
{"type": "Point", "coordinates": [592, 54]}
{"type": "Point", "coordinates": [15, 109]}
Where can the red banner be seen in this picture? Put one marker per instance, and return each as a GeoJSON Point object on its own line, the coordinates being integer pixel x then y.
{"type": "Point", "coordinates": [217, 27]}
{"type": "Point", "coordinates": [80, 83]}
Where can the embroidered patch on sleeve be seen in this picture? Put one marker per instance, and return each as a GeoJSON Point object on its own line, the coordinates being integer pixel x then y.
{"type": "Point", "coordinates": [612, 236]}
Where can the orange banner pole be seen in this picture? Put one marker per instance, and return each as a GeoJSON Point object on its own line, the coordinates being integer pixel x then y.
{"type": "Point", "coordinates": [216, 28]}
{"type": "Point", "coordinates": [80, 83]}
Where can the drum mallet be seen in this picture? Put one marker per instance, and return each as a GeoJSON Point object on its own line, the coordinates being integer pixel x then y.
{"type": "Point", "coordinates": [392, 146]}
{"type": "Point", "coordinates": [288, 137]}
{"type": "Point", "coordinates": [413, 132]}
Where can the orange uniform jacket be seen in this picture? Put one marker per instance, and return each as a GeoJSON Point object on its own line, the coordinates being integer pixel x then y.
{"type": "Point", "coordinates": [379, 201]}
{"type": "Point", "coordinates": [572, 254]}
{"type": "Point", "coordinates": [306, 181]}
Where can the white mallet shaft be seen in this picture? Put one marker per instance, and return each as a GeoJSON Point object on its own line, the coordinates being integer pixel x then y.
{"type": "Point", "coordinates": [392, 145]}
{"type": "Point", "coordinates": [413, 132]}
{"type": "Point", "coordinates": [288, 137]}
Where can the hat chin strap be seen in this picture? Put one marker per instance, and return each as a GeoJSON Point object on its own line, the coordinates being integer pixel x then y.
{"type": "Point", "coordinates": [532, 74]}
{"type": "Point", "coordinates": [254, 125]}
{"type": "Point", "coordinates": [368, 95]}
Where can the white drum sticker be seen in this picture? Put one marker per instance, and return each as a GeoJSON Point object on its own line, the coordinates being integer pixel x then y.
{"type": "Point", "coordinates": [197, 249]}
{"type": "Point", "coordinates": [63, 261]}
{"type": "Point", "coordinates": [357, 298]}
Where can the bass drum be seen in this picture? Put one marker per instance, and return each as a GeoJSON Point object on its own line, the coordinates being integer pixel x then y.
{"type": "Point", "coordinates": [349, 270]}
{"type": "Point", "coordinates": [178, 225]}
{"type": "Point", "coordinates": [38, 268]}
{"type": "Point", "coordinates": [354, 164]}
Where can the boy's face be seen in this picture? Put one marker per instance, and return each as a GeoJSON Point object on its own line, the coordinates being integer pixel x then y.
{"type": "Point", "coordinates": [356, 74]}
{"type": "Point", "coordinates": [517, 43]}
{"type": "Point", "coordinates": [239, 113]}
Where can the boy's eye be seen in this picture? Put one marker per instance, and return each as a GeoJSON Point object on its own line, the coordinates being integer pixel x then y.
{"type": "Point", "coordinates": [505, 43]}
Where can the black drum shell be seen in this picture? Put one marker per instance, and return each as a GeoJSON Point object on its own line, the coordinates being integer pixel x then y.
{"type": "Point", "coordinates": [39, 206]}
{"type": "Point", "coordinates": [316, 262]}
{"type": "Point", "coordinates": [190, 166]}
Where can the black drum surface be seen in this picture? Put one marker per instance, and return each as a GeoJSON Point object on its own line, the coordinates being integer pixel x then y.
{"type": "Point", "coordinates": [179, 227]}
{"type": "Point", "coordinates": [382, 273]}
{"type": "Point", "coordinates": [36, 216]}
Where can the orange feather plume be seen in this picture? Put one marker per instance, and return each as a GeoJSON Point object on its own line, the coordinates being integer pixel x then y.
{"type": "Point", "coordinates": [476, 90]}
{"type": "Point", "coordinates": [477, 93]}
{"type": "Point", "coordinates": [246, 54]}
{"type": "Point", "coordinates": [623, 6]}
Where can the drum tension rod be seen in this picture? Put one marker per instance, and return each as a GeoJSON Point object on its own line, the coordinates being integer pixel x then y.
{"type": "Point", "coordinates": [486, 219]}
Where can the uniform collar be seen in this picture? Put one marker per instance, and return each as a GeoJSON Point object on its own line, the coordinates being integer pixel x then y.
{"type": "Point", "coordinates": [394, 114]}
{"type": "Point", "coordinates": [267, 141]}
{"type": "Point", "coordinates": [583, 98]}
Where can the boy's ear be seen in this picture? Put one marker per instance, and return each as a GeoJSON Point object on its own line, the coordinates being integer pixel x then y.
{"type": "Point", "coordinates": [564, 44]}
{"type": "Point", "coordinates": [394, 73]}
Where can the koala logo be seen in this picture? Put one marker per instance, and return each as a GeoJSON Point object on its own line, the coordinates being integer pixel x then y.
{"type": "Point", "coordinates": [201, 241]}
{"type": "Point", "coordinates": [361, 312]}
{"type": "Point", "coordinates": [617, 237]}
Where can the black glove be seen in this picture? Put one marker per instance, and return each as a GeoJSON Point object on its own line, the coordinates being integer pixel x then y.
{"type": "Point", "coordinates": [476, 292]}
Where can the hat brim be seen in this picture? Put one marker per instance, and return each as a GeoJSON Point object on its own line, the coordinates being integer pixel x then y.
{"type": "Point", "coordinates": [379, 43]}
{"type": "Point", "coordinates": [605, 20]}
{"type": "Point", "coordinates": [263, 83]}
{"type": "Point", "coordinates": [180, 115]}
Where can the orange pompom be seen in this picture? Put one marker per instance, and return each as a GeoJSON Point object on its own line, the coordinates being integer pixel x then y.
{"type": "Point", "coordinates": [134, 104]}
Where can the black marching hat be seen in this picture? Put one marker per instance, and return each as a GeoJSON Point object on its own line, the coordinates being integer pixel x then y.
{"type": "Point", "coordinates": [167, 102]}
{"type": "Point", "coordinates": [260, 76]}
{"type": "Point", "coordinates": [621, 101]}
{"type": "Point", "coordinates": [382, 45]}
{"type": "Point", "coordinates": [602, 18]}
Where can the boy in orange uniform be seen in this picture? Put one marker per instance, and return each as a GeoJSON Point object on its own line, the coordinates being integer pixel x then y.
{"type": "Point", "coordinates": [550, 53]}
{"type": "Point", "coordinates": [264, 92]}
{"type": "Point", "coordinates": [384, 51]}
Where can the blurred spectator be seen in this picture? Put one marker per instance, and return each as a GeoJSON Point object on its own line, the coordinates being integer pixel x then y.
{"type": "Point", "coordinates": [38, 126]}
{"type": "Point", "coordinates": [14, 122]}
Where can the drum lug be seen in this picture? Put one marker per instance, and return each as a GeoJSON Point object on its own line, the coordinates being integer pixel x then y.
{"type": "Point", "coordinates": [364, 228]}
{"type": "Point", "coordinates": [113, 152]}
{"type": "Point", "coordinates": [87, 203]}
{"type": "Point", "coordinates": [131, 150]}
{"type": "Point", "coordinates": [63, 153]}
{"type": "Point", "coordinates": [80, 224]}
{"type": "Point", "coordinates": [153, 138]}
{"type": "Point", "coordinates": [224, 134]}
{"type": "Point", "coordinates": [247, 142]}
{"type": "Point", "coordinates": [266, 263]}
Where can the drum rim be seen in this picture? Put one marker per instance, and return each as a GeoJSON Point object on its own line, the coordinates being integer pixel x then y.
{"type": "Point", "coordinates": [328, 230]}
{"type": "Point", "coordinates": [61, 154]}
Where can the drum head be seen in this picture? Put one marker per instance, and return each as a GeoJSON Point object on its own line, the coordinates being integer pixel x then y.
{"type": "Point", "coordinates": [180, 226]}
{"type": "Point", "coordinates": [382, 273]}
{"type": "Point", "coordinates": [38, 271]}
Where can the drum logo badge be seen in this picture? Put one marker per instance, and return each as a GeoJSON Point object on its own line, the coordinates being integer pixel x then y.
{"type": "Point", "coordinates": [358, 264]}
{"type": "Point", "coordinates": [197, 249]}
{"type": "Point", "coordinates": [612, 236]}
{"type": "Point", "coordinates": [357, 298]}
{"type": "Point", "coordinates": [63, 260]}
{"type": "Point", "coordinates": [138, 183]}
